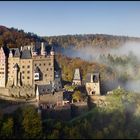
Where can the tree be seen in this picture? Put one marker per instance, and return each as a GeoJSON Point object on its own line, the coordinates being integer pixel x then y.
{"type": "Point", "coordinates": [7, 129]}
{"type": "Point", "coordinates": [54, 134]}
{"type": "Point", "coordinates": [77, 96]}
{"type": "Point", "coordinates": [31, 123]}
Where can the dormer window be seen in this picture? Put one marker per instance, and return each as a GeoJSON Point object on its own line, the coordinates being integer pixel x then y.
{"type": "Point", "coordinates": [36, 76]}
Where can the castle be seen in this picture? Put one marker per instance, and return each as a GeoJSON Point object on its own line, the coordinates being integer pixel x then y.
{"type": "Point", "coordinates": [30, 66]}
{"type": "Point", "coordinates": [93, 84]}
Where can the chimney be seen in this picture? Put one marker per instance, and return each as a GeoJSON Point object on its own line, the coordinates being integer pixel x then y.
{"type": "Point", "coordinates": [43, 51]}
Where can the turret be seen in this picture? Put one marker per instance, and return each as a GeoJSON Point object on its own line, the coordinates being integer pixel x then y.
{"type": "Point", "coordinates": [10, 54]}
{"type": "Point", "coordinates": [43, 50]}
{"type": "Point", "coordinates": [34, 52]}
{"type": "Point", "coordinates": [52, 51]}
{"type": "Point", "coordinates": [77, 77]}
{"type": "Point", "coordinates": [21, 48]}
{"type": "Point", "coordinates": [3, 68]}
{"type": "Point", "coordinates": [93, 84]}
{"type": "Point", "coordinates": [15, 74]}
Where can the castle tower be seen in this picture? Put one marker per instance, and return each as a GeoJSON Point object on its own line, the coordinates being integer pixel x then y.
{"type": "Point", "coordinates": [43, 50]}
{"type": "Point", "coordinates": [77, 77]}
{"type": "Point", "coordinates": [52, 51]}
{"type": "Point", "coordinates": [3, 68]}
{"type": "Point", "coordinates": [52, 56]}
{"type": "Point", "coordinates": [34, 52]}
{"type": "Point", "coordinates": [19, 79]}
{"type": "Point", "coordinates": [93, 84]}
{"type": "Point", "coordinates": [15, 74]}
{"type": "Point", "coordinates": [21, 48]}
{"type": "Point", "coordinates": [10, 54]}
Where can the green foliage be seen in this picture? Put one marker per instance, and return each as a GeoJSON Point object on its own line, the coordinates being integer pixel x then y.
{"type": "Point", "coordinates": [120, 118]}
{"type": "Point", "coordinates": [69, 64]}
{"type": "Point", "coordinates": [126, 67]}
{"type": "Point", "coordinates": [31, 123]}
{"type": "Point", "coordinates": [77, 95]}
{"type": "Point", "coordinates": [70, 88]}
{"type": "Point", "coordinates": [7, 128]}
{"type": "Point", "coordinates": [54, 135]}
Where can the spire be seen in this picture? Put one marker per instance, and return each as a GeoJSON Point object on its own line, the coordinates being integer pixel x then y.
{"type": "Point", "coordinates": [34, 52]}
{"type": "Point", "coordinates": [15, 66]}
{"type": "Point", "coordinates": [17, 52]}
{"type": "Point", "coordinates": [15, 74]}
{"type": "Point", "coordinates": [77, 77]}
{"type": "Point", "coordinates": [2, 52]}
{"type": "Point", "coordinates": [10, 54]}
{"type": "Point", "coordinates": [52, 51]}
{"type": "Point", "coordinates": [77, 74]}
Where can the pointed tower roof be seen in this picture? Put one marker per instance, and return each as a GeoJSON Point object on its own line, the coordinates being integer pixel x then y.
{"type": "Point", "coordinates": [26, 54]}
{"type": "Point", "coordinates": [33, 49]}
{"type": "Point", "coordinates": [17, 52]}
{"type": "Point", "coordinates": [52, 48]}
{"type": "Point", "coordinates": [2, 51]}
{"type": "Point", "coordinates": [37, 70]}
{"type": "Point", "coordinates": [11, 53]}
{"type": "Point", "coordinates": [77, 74]}
{"type": "Point", "coordinates": [16, 66]}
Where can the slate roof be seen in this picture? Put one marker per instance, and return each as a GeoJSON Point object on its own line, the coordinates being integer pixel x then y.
{"type": "Point", "coordinates": [17, 53]}
{"type": "Point", "coordinates": [26, 54]}
{"type": "Point", "coordinates": [37, 70]}
{"type": "Point", "coordinates": [45, 88]}
{"type": "Point", "coordinates": [15, 66]}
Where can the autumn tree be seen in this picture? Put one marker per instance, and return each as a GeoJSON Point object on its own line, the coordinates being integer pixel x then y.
{"type": "Point", "coordinates": [32, 125]}
{"type": "Point", "coordinates": [7, 128]}
{"type": "Point", "coordinates": [77, 95]}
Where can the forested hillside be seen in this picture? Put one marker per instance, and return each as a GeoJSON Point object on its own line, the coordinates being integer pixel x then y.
{"type": "Point", "coordinates": [118, 119]}
{"type": "Point", "coordinates": [114, 70]}
{"type": "Point", "coordinates": [13, 37]}
{"type": "Point", "coordinates": [94, 40]}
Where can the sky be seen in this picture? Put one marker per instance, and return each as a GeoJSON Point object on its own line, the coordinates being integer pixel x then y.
{"type": "Point", "coordinates": [49, 18]}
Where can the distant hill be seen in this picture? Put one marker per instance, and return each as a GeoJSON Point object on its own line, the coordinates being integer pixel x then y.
{"type": "Point", "coordinates": [13, 37]}
{"type": "Point", "coordinates": [101, 41]}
